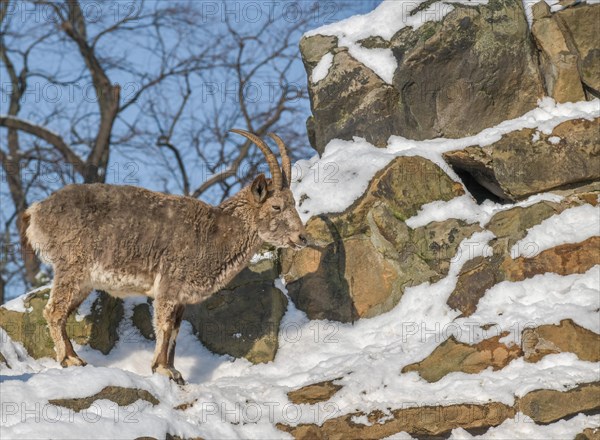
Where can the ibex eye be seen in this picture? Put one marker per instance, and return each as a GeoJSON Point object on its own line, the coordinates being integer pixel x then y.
{"type": "Point", "coordinates": [276, 207]}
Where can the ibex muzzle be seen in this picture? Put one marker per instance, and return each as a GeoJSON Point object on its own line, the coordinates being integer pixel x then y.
{"type": "Point", "coordinates": [127, 240]}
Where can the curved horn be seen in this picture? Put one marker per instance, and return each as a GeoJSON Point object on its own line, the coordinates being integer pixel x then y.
{"type": "Point", "coordinates": [271, 159]}
{"type": "Point", "coordinates": [286, 164]}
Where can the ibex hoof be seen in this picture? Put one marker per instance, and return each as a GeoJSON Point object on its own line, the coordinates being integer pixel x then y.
{"type": "Point", "coordinates": [73, 361]}
{"type": "Point", "coordinates": [170, 372]}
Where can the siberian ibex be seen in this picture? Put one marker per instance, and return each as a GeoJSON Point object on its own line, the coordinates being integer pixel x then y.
{"type": "Point", "coordinates": [128, 240]}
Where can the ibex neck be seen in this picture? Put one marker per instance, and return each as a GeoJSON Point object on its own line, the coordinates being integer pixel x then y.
{"type": "Point", "coordinates": [249, 243]}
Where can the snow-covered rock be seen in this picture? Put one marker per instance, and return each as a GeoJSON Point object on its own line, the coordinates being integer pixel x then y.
{"type": "Point", "coordinates": [421, 69]}
{"type": "Point", "coordinates": [527, 162]}
{"type": "Point", "coordinates": [369, 245]}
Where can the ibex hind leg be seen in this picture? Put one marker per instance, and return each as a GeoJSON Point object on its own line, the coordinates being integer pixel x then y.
{"type": "Point", "coordinates": [167, 317]}
{"type": "Point", "coordinates": [65, 296]}
{"type": "Point", "coordinates": [173, 338]}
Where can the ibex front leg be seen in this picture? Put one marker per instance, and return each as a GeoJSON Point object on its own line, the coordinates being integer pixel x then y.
{"type": "Point", "coordinates": [167, 318]}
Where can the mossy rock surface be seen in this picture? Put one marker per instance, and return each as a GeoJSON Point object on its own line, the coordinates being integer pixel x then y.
{"type": "Point", "coordinates": [243, 319]}
{"type": "Point", "coordinates": [98, 329]}
{"type": "Point", "coordinates": [365, 257]}
{"type": "Point", "coordinates": [472, 69]}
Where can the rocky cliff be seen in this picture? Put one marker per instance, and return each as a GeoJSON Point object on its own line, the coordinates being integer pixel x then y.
{"type": "Point", "coordinates": [480, 73]}
{"type": "Point", "coordinates": [451, 284]}
{"type": "Point", "coordinates": [454, 68]}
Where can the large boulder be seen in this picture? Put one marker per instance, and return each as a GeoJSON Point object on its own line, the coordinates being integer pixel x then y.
{"type": "Point", "coordinates": [547, 406]}
{"type": "Point", "coordinates": [527, 162]}
{"type": "Point", "coordinates": [558, 63]}
{"type": "Point", "coordinates": [541, 406]}
{"type": "Point", "coordinates": [471, 70]}
{"type": "Point", "coordinates": [566, 259]}
{"type": "Point", "coordinates": [580, 27]}
{"type": "Point", "coordinates": [452, 356]}
{"type": "Point", "coordinates": [564, 337]}
{"type": "Point", "coordinates": [331, 280]}
{"type": "Point", "coordinates": [430, 422]}
{"type": "Point", "coordinates": [351, 100]}
{"type": "Point", "coordinates": [481, 273]}
{"type": "Point", "coordinates": [243, 319]}
{"type": "Point", "coordinates": [474, 69]}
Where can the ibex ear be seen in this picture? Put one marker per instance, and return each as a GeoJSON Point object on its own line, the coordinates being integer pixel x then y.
{"type": "Point", "coordinates": [259, 188]}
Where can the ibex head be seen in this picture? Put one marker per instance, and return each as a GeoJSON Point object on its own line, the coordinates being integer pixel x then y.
{"type": "Point", "coordinates": [278, 222]}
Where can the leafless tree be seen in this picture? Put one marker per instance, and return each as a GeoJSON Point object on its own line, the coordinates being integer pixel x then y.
{"type": "Point", "coordinates": [257, 83]}
{"type": "Point", "coordinates": [70, 133]}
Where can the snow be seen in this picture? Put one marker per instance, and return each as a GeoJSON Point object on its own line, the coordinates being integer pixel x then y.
{"type": "Point", "coordinates": [543, 299]}
{"type": "Point", "coordinates": [27, 413]}
{"type": "Point", "coordinates": [384, 21]}
{"type": "Point", "coordinates": [322, 68]}
{"type": "Point", "coordinates": [332, 182]}
{"type": "Point", "coordinates": [555, 6]}
{"type": "Point", "coordinates": [263, 255]}
{"type": "Point", "coordinates": [85, 308]}
{"type": "Point", "coordinates": [17, 304]}
{"type": "Point", "coordinates": [570, 226]}
{"type": "Point", "coordinates": [234, 399]}
{"type": "Point", "coordinates": [554, 140]}
{"type": "Point", "coordinates": [380, 60]}
{"type": "Point", "coordinates": [465, 208]}
{"type": "Point", "coordinates": [523, 428]}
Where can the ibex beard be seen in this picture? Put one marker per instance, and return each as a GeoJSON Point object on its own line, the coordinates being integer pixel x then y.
{"type": "Point", "coordinates": [178, 250]}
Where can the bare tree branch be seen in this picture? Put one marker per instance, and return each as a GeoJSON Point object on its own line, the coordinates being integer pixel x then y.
{"type": "Point", "coordinates": [108, 95]}
{"type": "Point", "coordinates": [48, 136]}
{"type": "Point", "coordinates": [163, 142]}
